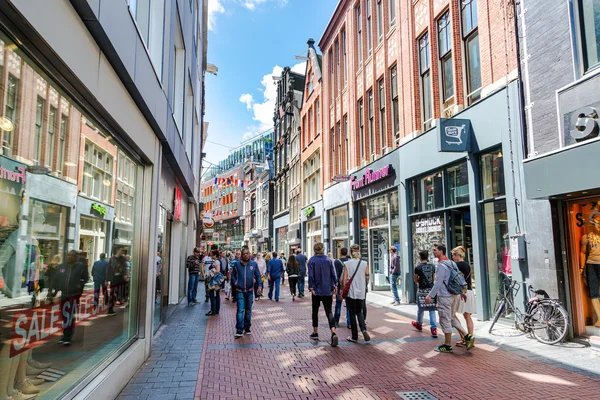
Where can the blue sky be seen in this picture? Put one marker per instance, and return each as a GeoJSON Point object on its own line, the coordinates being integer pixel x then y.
{"type": "Point", "coordinates": [250, 41]}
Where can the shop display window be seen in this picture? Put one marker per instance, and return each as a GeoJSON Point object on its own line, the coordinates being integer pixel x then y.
{"type": "Point", "coordinates": [458, 185]}
{"type": "Point", "coordinates": [584, 269]}
{"type": "Point", "coordinates": [68, 280]}
{"type": "Point", "coordinates": [492, 175]}
{"type": "Point", "coordinates": [497, 249]}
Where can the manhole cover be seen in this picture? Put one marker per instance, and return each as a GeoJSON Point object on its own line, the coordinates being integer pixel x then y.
{"type": "Point", "coordinates": [416, 396]}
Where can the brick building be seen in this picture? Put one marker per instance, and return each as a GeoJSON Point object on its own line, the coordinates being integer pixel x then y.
{"type": "Point", "coordinates": [397, 76]}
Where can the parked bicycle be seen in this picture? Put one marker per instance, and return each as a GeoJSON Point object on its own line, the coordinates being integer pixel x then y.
{"type": "Point", "coordinates": [545, 318]}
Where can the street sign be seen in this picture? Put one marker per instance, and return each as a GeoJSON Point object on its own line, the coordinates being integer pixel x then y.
{"type": "Point", "coordinates": [341, 178]}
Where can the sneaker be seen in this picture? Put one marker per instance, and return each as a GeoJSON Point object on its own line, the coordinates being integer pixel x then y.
{"type": "Point", "coordinates": [247, 332]}
{"type": "Point", "coordinates": [348, 326]}
{"type": "Point", "coordinates": [111, 312]}
{"type": "Point", "coordinates": [418, 326]}
{"type": "Point", "coordinates": [434, 332]}
{"type": "Point", "coordinates": [470, 341]}
{"type": "Point", "coordinates": [443, 348]}
{"type": "Point", "coordinates": [293, 298]}
{"type": "Point", "coordinates": [334, 340]}
{"type": "Point", "coordinates": [27, 387]}
{"type": "Point", "coordinates": [209, 313]}
{"type": "Point", "coordinates": [37, 364]}
{"type": "Point", "coordinates": [366, 336]}
{"type": "Point", "coordinates": [393, 302]}
{"type": "Point", "coordinates": [66, 343]}
{"type": "Point", "coordinates": [314, 336]}
{"type": "Point", "coordinates": [238, 335]}
{"type": "Point", "coordinates": [396, 303]}
{"type": "Point", "coordinates": [349, 339]}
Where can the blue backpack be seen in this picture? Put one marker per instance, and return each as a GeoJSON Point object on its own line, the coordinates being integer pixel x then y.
{"type": "Point", "coordinates": [217, 281]}
{"type": "Point", "coordinates": [457, 283]}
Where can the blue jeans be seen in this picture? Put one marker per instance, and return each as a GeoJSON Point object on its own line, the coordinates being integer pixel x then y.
{"type": "Point", "coordinates": [97, 286]}
{"type": "Point", "coordinates": [244, 311]}
{"type": "Point", "coordinates": [301, 278]}
{"type": "Point", "coordinates": [338, 308]}
{"type": "Point", "coordinates": [421, 311]}
{"type": "Point", "coordinates": [395, 287]}
{"type": "Point", "coordinates": [215, 301]}
{"type": "Point", "coordinates": [192, 288]}
{"type": "Point", "coordinates": [274, 282]}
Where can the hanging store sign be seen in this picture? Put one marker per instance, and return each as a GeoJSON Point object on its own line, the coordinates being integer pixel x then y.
{"type": "Point", "coordinates": [309, 211]}
{"type": "Point", "coordinates": [341, 178]}
{"type": "Point", "coordinates": [177, 204]}
{"type": "Point", "coordinates": [370, 177]}
{"type": "Point", "coordinates": [98, 210]}
{"type": "Point", "coordinates": [455, 135]}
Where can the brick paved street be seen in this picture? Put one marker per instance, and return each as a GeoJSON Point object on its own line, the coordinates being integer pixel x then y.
{"type": "Point", "coordinates": [278, 361]}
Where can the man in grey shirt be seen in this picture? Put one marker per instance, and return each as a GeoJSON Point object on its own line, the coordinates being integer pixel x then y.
{"type": "Point", "coordinates": [444, 298]}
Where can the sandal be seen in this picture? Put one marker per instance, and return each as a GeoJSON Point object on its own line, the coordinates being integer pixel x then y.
{"type": "Point", "coordinates": [461, 343]}
{"type": "Point", "coordinates": [349, 339]}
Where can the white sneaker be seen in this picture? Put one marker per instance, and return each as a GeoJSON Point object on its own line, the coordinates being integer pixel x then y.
{"type": "Point", "coordinates": [27, 387]}
{"type": "Point", "coordinates": [396, 303]}
{"type": "Point", "coordinates": [38, 365]}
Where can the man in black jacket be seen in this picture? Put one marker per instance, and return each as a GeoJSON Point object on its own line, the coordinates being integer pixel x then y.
{"type": "Point", "coordinates": [193, 263]}
{"type": "Point", "coordinates": [117, 274]}
{"type": "Point", "coordinates": [70, 280]}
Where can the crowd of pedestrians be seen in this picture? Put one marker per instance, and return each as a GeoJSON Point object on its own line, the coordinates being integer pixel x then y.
{"type": "Point", "coordinates": [443, 290]}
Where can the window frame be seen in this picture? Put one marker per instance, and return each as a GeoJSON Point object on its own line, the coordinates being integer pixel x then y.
{"type": "Point", "coordinates": [391, 14]}
{"type": "Point", "coordinates": [468, 36]}
{"type": "Point", "coordinates": [40, 112]}
{"type": "Point", "coordinates": [379, 16]}
{"type": "Point", "coordinates": [424, 48]}
{"type": "Point", "coordinates": [369, 28]}
{"type": "Point", "coordinates": [382, 116]}
{"type": "Point", "coordinates": [444, 27]}
{"type": "Point", "coordinates": [371, 121]}
{"type": "Point", "coordinates": [51, 136]}
{"type": "Point", "coordinates": [359, 46]}
{"type": "Point", "coordinates": [361, 128]}
{"type": "Point", "coordinates": [395, 101]}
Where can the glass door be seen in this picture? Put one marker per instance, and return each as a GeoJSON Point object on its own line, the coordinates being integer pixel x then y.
{"type": "Point", "coordinates": [498, 264]}
{"type": "Point", "coordinates": [379, 250]}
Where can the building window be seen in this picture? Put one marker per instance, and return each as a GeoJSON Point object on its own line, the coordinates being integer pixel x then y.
{"type": "Point", "coordinates": [339, 147]}
{"type": "Point", "coordinates": [338, 72]}
{"type": "Point", "coordinates": [51, 140]}
{"type": "Point", "coordinates": [97, 173]}
{"type": "Point", "coordinates": [361, 129]}
{"type": "Point", "coordinates": [457, 180]}
{"type": "Point", "coordinates": [382, 119]}
{"type": "Point", "coordinates": [425, 71]}
{"type": "Point", "coordinates": [304, 133]}
{"type": "Point", "coordinates": [471, 40]}
{"type": "Point", "coordinates": [150, 15]}
{"type": "Point", "coordinates": [492, 175]}
{"type": "Point", "coordinates": [310, 124]}
{"type": "Point", "coordinates": [359, 36]}
{"type": "Point", "coordinates": [379, 21]}
{"type": "Point", "coordinates": [394, 95]}
{"type": "Point", "coordinates": [64, 121]}
{"type": "Point", "coordinates": [369, 30]}
{"type": "Point", "coordinates": [333, 151]}
{"type": "Point", "coordinates": [392, 11]}
{"type": "Point", "coordinates": [312, 179]}
{"type": "Point", "coordinates": [371, 121]}
{"type": "Point", "coordinates": [178, 72]}
{"type": "Point", "coordinates": [318, 116]}
{"type": "Point", "coordinates": [346, 145]}
{"type": "Point", "coordinates": [445, 51]}
{"type": "Point", "coordinates": [10, 113]}
{"type": "Point", "coordinates": [331, 76]}
{"type": "Point", "coordinates": [39, 125]}
{"type": "Point", "coordinates": [427, 193]}
{"type": "Point", "coordinates": [345, 57]}
{"type": "Point", "coordinates": [589, 17]}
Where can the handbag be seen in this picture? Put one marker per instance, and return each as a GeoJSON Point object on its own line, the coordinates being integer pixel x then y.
{"type": "Point", "coordinates": [421, 294]}
{"type": "Point", "coordinates": [346, 288]}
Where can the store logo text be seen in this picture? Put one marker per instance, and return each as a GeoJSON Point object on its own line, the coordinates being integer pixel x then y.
{"type": "Point", "coordinates": [13, 176]}
{"type": "Point", "coordinates": [428, 225]}
{"type": "Point", "coordinates": [371, 177]}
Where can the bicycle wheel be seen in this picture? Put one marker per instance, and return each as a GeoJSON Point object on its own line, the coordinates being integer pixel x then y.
{"type": "Point", "coordinates": [549, 323]}
{"type": "Point", "coordinates": [497, 314]}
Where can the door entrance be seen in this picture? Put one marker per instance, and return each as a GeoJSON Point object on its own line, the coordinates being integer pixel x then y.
{"type": "Point", "coordinates": [338, 244]}
{"type": "Point", "coordinates": [379, 250]}
{"type": "Point", "coordinates": [459, 229]}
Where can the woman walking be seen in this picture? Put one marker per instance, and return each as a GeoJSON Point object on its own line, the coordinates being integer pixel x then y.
{"type": "Point", "coordinates": [293, 271]}
{"type": "Point", "coordinates": [262, 268]}
{"type": "Point", "coordinates": [465, 306]}
{"type": "Point", "coordinates": [357, 271]}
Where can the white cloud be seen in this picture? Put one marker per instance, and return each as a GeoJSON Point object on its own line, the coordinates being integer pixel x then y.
{"type": "Point", "coordinates": [252, 4]}
{"type": "Point", "coordinates": [264, 111]}
{"type": "Point", "coordinates": [214, 7]}
{"type": "Point", "coordinates": [247, 99]}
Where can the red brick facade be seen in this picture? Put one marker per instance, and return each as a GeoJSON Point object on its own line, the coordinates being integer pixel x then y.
{"type": "Point", "coordinates": [399, 48]}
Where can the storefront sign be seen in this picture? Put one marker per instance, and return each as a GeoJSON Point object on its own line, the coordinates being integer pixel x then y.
{"type": "Point", "coordinates": [309, 211]}
{"type": "Point", "coordinates": [455, 135]}
{"type": "Point", "coordinates": [38, 170]}
{"type": "Point", "coordinates": [428, 225]}
{"type": "Point", "coordinates": [370, 177]}
{"type": "Point", "coordinates": [177, 204]}
{"type": "Point", "coordinates": [17, 176]}
{"type": "Point", "coordinates": [98, 210]}
{"type": "Point", "coordinates": [341, 178]}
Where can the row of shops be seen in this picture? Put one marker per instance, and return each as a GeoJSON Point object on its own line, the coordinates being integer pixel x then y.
{"type": "Point", "coordinates": [460, 184]}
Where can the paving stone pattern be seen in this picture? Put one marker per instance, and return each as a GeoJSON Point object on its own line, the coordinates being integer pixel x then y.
{"type": "Point", "coordinates": [278, 361]}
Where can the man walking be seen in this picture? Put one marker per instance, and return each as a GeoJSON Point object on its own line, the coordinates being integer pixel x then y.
{"type": "Point", "coordinates": [322, 283]}
{"type": "Point", "coordinates": [339, 270]}
{"type": "Point", "coordinates": [116, 274]}
{"type": "Point", "coordinates": [424, 277]}
{"type": "Point", "coordinates": [275, 269]}
{"type": "Point", "coordinates": [207, 263]}
{"type": "Point", "coordinates": [302, 260]}
{"type": "Point", "coordinates": [193, 265]}
{"type": "Point", "coordinates": [394, 274]}
{"type": "Point", "coordinates": [99, 276]}
{"type": "Point", "coordinates": [244, 275]}
{"type": "Point", "coordinates": [445, 299]}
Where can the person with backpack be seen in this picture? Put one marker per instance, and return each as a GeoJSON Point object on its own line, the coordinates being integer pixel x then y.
{"type": "Point", "coordinates": [215, 279]}
{"type": "Point", "coordinates": [449, 282]}
{"type": "Point", "coordinates": [354, 283]}
{"type": "Point", "coordinates": [465, 305]}
{"type": "Point", "coordinates": [424, 276]}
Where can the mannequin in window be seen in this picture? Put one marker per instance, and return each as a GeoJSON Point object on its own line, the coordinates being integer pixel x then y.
{"type": "Point", "coordinates": [590, 262]}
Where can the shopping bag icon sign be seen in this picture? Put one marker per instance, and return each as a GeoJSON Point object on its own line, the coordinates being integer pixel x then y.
{"type": "Point", "coordinates": [454, 134]}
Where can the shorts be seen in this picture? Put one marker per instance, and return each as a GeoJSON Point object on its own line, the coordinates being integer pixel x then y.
{"type": "Point", "coordinates": [444, 308]}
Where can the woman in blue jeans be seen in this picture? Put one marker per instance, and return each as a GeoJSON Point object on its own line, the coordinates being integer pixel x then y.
{"type": "Point", "coordinates": [424, 278]}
